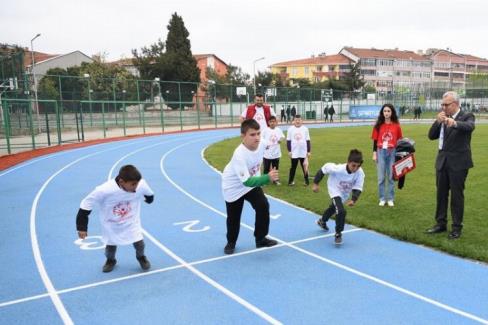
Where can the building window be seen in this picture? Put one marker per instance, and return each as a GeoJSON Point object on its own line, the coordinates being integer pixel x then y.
{"type": "Point", "coordinates": [318, 68]}
{"type": "Point", "coordinates": [306, 71]}
{"type": "Point", "coordinates": [368, 62]}
{"type": "Point", "coordinates": [441, 74]}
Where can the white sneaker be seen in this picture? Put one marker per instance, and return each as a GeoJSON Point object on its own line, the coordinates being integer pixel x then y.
{"type": "Point", "coordinates": [382, 203]}
{"type": "Point", "coordinates": [390, 203]}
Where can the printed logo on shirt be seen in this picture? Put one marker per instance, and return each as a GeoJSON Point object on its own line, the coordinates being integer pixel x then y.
{"type": "Point", "coordinates": [258, 117]}
{"type": "Point", "coordinates": [345, 187]}
{"type": "Point", "coordinates": [297, 136]}
{"type": "Point", "coordinates": [273, 139]}
{"type": "Point", "coordinates": [254, 170]}
{"type": "Point", "coordinates": [387, 137]}
{"type": "Point", "coordinates": [122, 210]}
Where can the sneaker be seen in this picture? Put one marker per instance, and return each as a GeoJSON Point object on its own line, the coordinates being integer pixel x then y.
{"type": "Point", "coordinates": [145, 265]}
{"type": "Point", "coordinates": [322, 224]}
{"type": "Point", "coordinates": [382, 203]}
{"type": "Point", "coordinates": [390, 203]}
{"type": "Point", "coordinates": [230, 248]}
{"type": "Point", "coordinates": [109, 265]}
{"type": "Point", "coordinates": [291, 184]}
{"type": "Point", "coordinates": [265, 242]}
{"type": "Point", "coordinates": [338, 239]}
{"type": "Point", "coordinates": [277, 183]}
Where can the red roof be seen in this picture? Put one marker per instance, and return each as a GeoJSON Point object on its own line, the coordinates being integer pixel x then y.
{"type": "Point", "coordinates": [38, 57]}
{"type": "Point", "coordinates": [318, 60]}
{"type": "Point", "coordinates": [385, 54]}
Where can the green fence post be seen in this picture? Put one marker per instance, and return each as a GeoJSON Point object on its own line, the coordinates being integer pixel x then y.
{"type": "Point", "coordinates": [231, 111]}
{"type": "Point", "coordinates": [47, 129]}
{"type": "Point", "coordinates": [31, 125]}
{"type": "Point", "coordinates": [81, 124]}
{"type": "Point", "coordinates": [58, 121]}
{"type": "Point", "coordinates": [179, 95]}
{"type": "Point", "coordinates": [123, 118]}
{"type": "Point", "coordinates": [103, 121]}
{"type": "Point", "coordinates": [6, 121]}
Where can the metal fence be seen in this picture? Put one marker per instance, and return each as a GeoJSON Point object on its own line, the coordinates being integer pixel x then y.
{"type": "Point", "coordinates": [73, 109]}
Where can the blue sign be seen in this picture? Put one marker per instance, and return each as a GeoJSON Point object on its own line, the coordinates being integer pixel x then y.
{"type": "Point", "coordinates": [364, 112]}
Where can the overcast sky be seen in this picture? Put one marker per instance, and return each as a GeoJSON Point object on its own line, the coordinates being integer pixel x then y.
{"type": "Point", "coordinates": [241, 31]}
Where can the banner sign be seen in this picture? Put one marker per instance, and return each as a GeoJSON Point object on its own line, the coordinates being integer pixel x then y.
{"type": "Point", "coordinates": [364, 112]}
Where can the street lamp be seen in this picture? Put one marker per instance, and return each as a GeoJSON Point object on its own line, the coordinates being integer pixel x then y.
{"type": "Point", "coordinates": [35, 82]}
{"type": "Point", "coordinates": [254, 73]}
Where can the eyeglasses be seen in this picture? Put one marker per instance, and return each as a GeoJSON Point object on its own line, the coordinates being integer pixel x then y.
{"type": "Point", "coordinates": [447, 104]}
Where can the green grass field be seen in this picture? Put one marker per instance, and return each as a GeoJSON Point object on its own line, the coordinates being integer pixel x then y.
{"type": "Point", "coordinates": [414, 204]}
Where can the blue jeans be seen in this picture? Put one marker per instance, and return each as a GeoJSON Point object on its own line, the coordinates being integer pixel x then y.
{"type": "Point", "coordinates": [384, 166]}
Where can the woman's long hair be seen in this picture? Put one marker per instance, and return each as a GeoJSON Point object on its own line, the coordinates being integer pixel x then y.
{"type": "Point", "coordinates": [381, 117]}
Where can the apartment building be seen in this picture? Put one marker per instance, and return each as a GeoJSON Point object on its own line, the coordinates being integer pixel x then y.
{"type": "Point", "coordinates": [388, 70]}
{"type": "Point", "coordinates": [320, 68]}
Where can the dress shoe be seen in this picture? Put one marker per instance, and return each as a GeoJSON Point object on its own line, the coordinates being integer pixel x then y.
{"type": "Point", "coordinates": [455, 234]}
{"type": "Point", "coordinates": [436, 229]}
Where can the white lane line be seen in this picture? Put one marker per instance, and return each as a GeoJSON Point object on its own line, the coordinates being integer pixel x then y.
{"type": "Point", "coordinates": [51, 291]}
{"type": "Point", "coordinates": [56, 155]}
{"type": "Point", "coordinates": [341, 266]}
{"type": "Point", "coordinates": [187, 265]}
{"type": "Point", "coordinates": [201, 275]}
{"type": "Point", "coordinates": [169, 268]}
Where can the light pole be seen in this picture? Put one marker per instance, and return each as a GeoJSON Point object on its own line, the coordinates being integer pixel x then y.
{"type": "Point", "coordinates": [35, 82]}
{"type": "Point", "coordinates": [254, 73]}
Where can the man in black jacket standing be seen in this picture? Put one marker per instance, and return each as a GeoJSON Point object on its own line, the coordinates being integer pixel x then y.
{"type": "Point", "coordinates": [453, 128]}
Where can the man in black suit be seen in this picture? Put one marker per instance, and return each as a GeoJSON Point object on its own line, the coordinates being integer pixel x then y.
{"type": "Point", "coordinates": [453, 128]}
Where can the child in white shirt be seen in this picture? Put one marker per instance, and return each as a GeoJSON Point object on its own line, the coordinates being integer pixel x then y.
{"type": "Point", "coordinates": [242, 181]}
{"type": "Point", "coordinates": [119, 201]}
{"type": "Point", "coordinates": [299, 147]}
{"type": "Point", "coordinates": [272, 138]}
{"type": "Point", "coordinates": [344, 179]}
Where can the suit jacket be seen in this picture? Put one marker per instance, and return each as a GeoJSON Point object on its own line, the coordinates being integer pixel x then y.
{"type": "Point", "coordinates": [456, 149]}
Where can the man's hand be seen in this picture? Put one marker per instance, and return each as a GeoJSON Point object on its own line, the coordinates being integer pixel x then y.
{"type": "Point", "coordinates": [350, 203]}
{"type": "Point", "coordinates": [289, 154]}
{"type": "Point", "coordinates": [273, 175]}
{"type": "Point", "coordinates": [450, 122]}
{"type": "Point", "coordinates": [375, 157]}
{"type": "Point", "coordinates": [441, 117]}
{"type": "Point", "coordinates": [315, 188]}
{"type": "Point", "coordinates": [82, 234]}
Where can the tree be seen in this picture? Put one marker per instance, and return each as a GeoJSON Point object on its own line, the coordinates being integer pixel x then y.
{"type": "Point", "coordinates": [171, 61]}
{"type": "Point", "coordinates": [353, 78]}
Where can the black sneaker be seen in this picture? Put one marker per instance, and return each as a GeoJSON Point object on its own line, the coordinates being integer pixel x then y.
{"type": "Point", "coordinates": [145, 265]}
{"type": "Point", "coordinates": [265, 242]}
{"type": "Point", "coordinates": [230, 248]}
{"type": "Point", "coordinates": [338, 238]}
{"type": "Point", "coordinates": [322, 224]}
{"type": "Point", "coordinates": [109, 265]}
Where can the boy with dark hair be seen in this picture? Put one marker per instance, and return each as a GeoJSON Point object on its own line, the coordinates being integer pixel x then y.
{"type": "Point", "coordinates": [299, 147]}
{"type": "Point", "coordinates": [272, 138]}
{"type": "Point", "coordinates": [119, 201]}
{"type": "Point", "coordinates": [242, 181]}
{"type": "Point", "coordinates": [343, 179]}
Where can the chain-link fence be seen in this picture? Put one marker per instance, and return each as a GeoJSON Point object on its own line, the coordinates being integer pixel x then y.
{"type": "Point", "coordinates": [72, 109]}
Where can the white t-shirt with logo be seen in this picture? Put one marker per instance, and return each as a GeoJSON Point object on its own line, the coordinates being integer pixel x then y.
{"type": "Point", "coordinates": [119, 211]}
{"type": "Point", "coordinates": [340, 182]}
{"type": "Point", "coordinates": [271, 138]}
{"type": "Point", "coordinates": [244, 164]}
{"type": "Point", "coordinates": [298, 138]}
{"type": "Point", "coordinates": [259, 117]}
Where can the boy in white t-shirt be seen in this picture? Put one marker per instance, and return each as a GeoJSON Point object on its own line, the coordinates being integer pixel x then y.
{"type": "Point", "coordinates": [242, 181]}
{"type": "Point", "coordinates": [119, 201]}
{"type": "Point", "coordinates": [299, 147]}
{"type": "Point", "coordinates": [272, 138]}
{"type": "Point", "coordinates": [344, 179]}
